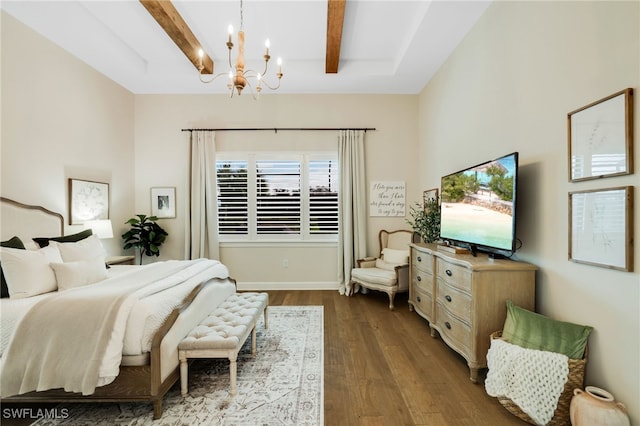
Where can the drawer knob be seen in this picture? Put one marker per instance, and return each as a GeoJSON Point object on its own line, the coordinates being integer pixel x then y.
{"type": "Point", "coordinates": [448, 272]}
{"type": "Point", "coordinates": [418, 299]}
{"type": "Point", "coordinates": [419, 259]}
{"type": "Point", "coordinates": [419, 278]}
{"type": "Point", "coordinates": [448, 325]}
{"type": "Point", "coordinates": [448, 298]}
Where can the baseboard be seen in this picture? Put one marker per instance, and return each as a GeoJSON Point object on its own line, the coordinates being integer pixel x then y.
{"type": "Point", "coordinates": [307, 285]}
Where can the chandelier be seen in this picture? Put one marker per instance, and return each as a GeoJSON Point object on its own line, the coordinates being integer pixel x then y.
{"type": "Point", "coordinates": [242, 77]}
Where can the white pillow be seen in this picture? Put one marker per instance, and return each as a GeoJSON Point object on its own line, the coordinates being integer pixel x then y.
{"type": "Point", "coordinates": [27, 272]}
{"type": "Point", "coordinates": [51, 253]}
{"type": "Point", "coordinates": [381, 264]}
{"type": "Point", "coordinates": [79, 273]}
{"type": "Point", "coordinates": [86, 249]}
{"type": "Point", "coordinates": [393, 255]}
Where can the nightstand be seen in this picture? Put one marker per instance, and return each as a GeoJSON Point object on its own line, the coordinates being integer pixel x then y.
{"type": "Point", "coordinates": [120, 260]}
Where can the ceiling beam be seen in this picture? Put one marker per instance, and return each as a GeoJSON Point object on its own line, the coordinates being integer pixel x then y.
{"type": "Point", "coordinates": [172, 23]}
{"type": "Point", "coordinates": [335, 21]}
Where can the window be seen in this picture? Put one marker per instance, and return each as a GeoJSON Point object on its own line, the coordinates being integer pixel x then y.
{"type": "Point", "coordinates": [277, 197]}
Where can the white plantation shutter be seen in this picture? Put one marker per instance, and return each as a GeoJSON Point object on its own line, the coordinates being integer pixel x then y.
{"type": "Point", "coordinates": [323, 197]}
{"type": "Point", "coordinates": [278, 204]}
{"type": "Point", "coordinates": [277, 196]}
{"type": "Point", "coordinates": [233, 200]}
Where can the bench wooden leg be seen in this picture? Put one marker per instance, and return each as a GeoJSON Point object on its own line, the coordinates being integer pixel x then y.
{"type": "Point", "coordinates": [233, 371]}
{"type": "Point", "coordinates": [184, 376]}
{"type": "Point", "coordinates": [266, 317]}
{"type": "Point", "coordinates": [157, 409]}
{"type": "Point", "coordinates": [253, 341]}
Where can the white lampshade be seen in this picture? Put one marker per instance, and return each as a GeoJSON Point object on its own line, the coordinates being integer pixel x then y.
{"type": "Point", "coordinates": [101, 228]}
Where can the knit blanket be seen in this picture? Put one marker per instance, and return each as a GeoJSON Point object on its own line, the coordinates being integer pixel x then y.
{"type": "Point", "coordinates": [532, 379]}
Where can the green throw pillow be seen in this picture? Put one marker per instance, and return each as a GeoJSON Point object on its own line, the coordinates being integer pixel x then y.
{"type": "Point", "coordinates": [15, 243]}
{"type": "Point", "coordinates": [534, 331]}
{"type": "Point", "coordinates": [44, 241]}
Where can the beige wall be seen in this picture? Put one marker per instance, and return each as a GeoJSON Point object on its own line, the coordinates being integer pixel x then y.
{"type": "Point", "coordinates": [508, 87]}
{"type": "Point", "coordinates": [161, 150]}
{"type": "Point", "coordinates": [62, 119]}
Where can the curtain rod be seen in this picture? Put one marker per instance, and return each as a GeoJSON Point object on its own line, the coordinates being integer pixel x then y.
{"type": "Point", "coordinates": [276, 129]}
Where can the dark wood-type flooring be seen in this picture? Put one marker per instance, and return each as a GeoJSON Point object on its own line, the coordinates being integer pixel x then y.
{"type": "Point", "coordinates": [382, 367]}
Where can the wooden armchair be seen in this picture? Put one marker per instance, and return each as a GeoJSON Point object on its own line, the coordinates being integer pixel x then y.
{"type": "Point", "coordinates": [389, 272]}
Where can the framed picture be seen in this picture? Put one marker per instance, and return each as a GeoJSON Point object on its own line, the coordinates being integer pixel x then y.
{"type": "Point", "coordinates": [601, 227]}
{"type": "Point", "coordinates": [428, 197]}
{"type": "Point", "coordinates": [87, 201]}
{"type": "Point", "coordinates": [163, 202]}
{"type": "Point", "coordinates": [600, 138]}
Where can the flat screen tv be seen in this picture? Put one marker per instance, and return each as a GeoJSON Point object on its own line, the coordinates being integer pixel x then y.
{"type": "Point", "coordinates": [478, 205]}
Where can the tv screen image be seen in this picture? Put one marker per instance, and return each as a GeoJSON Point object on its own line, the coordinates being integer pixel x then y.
{"type": "Point", "coordinates": [478, 205]}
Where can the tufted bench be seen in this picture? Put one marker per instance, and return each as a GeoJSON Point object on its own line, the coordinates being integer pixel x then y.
{"type": "Point", "coordinates": [223, 333]}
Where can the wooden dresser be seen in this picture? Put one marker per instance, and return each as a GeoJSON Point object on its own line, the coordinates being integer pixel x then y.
{"type": "Point", "coordinates": [464, 297]}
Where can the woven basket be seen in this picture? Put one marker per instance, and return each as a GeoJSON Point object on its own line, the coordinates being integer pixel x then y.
{"type": "Point", "coordinates": [561, 415]}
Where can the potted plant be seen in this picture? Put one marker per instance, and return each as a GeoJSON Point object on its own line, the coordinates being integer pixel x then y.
{"type": "Point", "coordinates": [425, 219]}
{"type": "Point", "coordinates": [145, 235]}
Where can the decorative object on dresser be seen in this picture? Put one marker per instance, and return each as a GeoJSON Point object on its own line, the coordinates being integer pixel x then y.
{"type": "Point", "coordinates": [145, 235]}
{"type": "Point", "coordinates": [463, 297]}
{"type": "Point", "coordinates": [389, 272]}
{"type": "Point", "coordinates": [425, 219]}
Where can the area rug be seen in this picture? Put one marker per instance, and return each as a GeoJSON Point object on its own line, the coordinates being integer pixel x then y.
{"type": "Point", "coordinates": [282, 385]}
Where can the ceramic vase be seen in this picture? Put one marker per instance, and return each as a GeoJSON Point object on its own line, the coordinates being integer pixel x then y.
{"type": "Point", "coordinates": [595, 406]}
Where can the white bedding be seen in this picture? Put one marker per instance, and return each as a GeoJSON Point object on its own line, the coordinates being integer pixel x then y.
{"type": "Point", "coordinates": [145, 317]}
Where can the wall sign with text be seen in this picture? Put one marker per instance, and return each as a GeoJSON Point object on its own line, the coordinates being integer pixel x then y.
{"type": "Point", "coordinates": [387, 199]}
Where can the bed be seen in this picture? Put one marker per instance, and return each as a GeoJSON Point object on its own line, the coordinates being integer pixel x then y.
{"type": "Point", "coordinates": [112, 340]}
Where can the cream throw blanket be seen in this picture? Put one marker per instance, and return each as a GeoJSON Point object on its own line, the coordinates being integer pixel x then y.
{"type": "Point", "coordinates": [62, 341]}
{"type": "Point", "coordinates": [532, 379]}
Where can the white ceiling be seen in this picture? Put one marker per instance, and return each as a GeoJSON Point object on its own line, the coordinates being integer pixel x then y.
{"type": "Point", "coordinates": [388, 46]}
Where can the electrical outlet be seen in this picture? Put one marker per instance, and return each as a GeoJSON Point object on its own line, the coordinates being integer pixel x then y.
{"type": "Point", "coordinates": [285, 263]}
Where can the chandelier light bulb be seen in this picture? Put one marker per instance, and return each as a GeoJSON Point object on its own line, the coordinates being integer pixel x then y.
{"type": "Point", "coordinates": [200, 55]}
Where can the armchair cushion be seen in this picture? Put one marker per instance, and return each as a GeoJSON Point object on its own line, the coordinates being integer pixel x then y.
{"type": "Point", "coordinates": [395, 256]}
{"type": "Point", "coordinates": [374, 276]}
{"type": "Point", "coordinates": [381, 264]}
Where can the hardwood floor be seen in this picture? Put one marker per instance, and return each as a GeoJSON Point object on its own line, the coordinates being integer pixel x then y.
{"type": "Point", "coordinates": [383, 367]}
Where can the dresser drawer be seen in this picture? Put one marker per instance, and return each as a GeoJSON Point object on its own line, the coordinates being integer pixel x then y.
{"type": "Point", "coordinates": [454, 275]}
{"type": "Point", "coordinates": [453, 330]}
{"type": "Point", "coordinates": [422, 281]}
{"type": "Point", "coordinates": [455, 301]}
{"type": "Point", "coordinates": [422, 261]}
{"type": "Point", "coordinates": [424, 303]}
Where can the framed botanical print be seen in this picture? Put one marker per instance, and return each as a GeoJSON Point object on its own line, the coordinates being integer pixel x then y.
{"type": "Point", "coordinates": [600, 138]}
{"type": "Point", "coordinates": [88, 200]}
{"type": "Point", "coordinates": [601, 227]}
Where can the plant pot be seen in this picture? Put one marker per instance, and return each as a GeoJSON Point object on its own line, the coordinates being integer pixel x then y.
{"type": "Point", "coordinates": [595, 406]}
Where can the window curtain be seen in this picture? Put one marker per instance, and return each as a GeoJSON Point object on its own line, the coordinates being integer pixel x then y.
{"type": "Point", "coordinates": [352, 237]}
{"type": "Point", "coordinates": [201, 228]}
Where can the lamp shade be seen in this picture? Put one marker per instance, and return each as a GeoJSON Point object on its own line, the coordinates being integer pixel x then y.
{"type": "Point", "coordinates": [101, 228]}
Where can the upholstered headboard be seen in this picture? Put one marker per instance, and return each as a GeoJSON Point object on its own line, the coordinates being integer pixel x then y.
{"type": "Point", "coordinates": [27, 221]}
